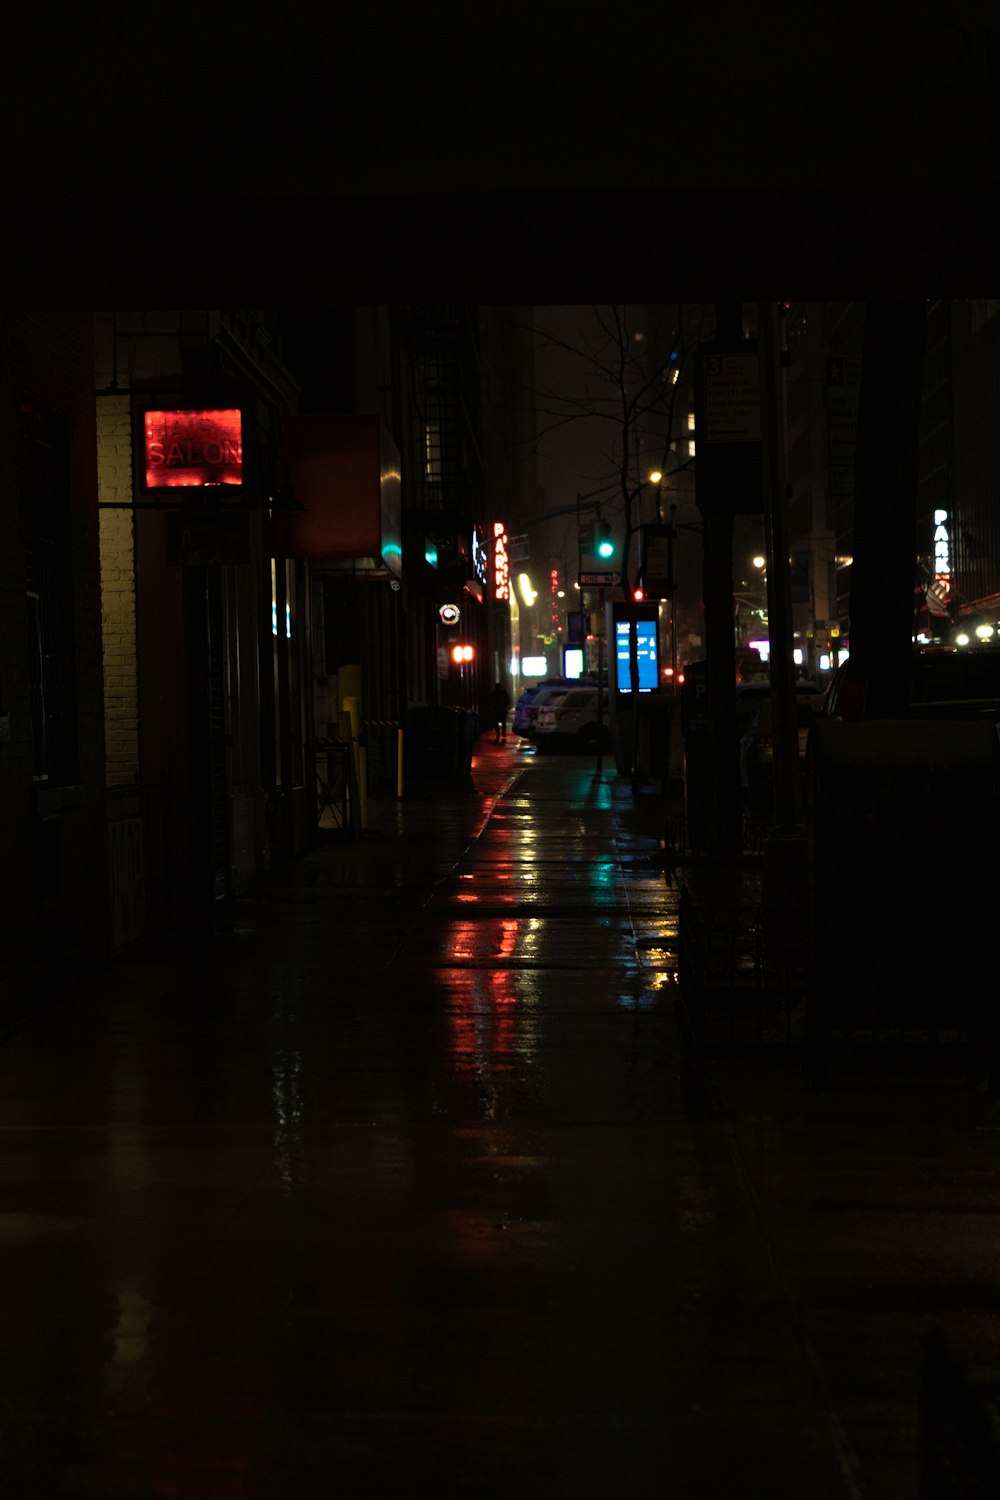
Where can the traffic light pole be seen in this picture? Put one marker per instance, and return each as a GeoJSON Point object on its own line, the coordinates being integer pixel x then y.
{"type": "Point", "coordinates": [600, 684]}
{"type": "Point", "coordinates": [633, 677]}
{"type": "Point", "coordinates": [787, 793]}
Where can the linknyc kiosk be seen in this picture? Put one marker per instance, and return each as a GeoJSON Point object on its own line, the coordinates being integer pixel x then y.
{"type": "Point", "coordinates": [628, 622]}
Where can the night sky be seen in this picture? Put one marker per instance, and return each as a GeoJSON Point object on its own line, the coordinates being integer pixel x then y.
{"type": "Point", "coordinates": [164, 156]}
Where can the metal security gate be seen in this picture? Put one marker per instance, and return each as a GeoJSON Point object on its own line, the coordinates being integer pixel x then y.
{"type": "Point", "coordinates": [218, 790]}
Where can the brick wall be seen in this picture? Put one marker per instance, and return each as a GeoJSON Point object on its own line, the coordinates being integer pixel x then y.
{"type": "Point", "coordinates": [121, 727]}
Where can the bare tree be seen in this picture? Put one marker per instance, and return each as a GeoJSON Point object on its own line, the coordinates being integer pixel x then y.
{"type": "Point", "coordinates": [624, 377]}
{"type": "Point", "coordinates": [622, 372]}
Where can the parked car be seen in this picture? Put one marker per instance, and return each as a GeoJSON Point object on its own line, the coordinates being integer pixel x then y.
{"type": "Point", "coordinates": [947, 682]}
{"type": "Point", "coordinates": [524, 724]}
{"type": "Point", "coordinates": [571, 722]}
{"type": "Point", "coordinates": [529, 697]}
{"type": "Point", "coordinates": [757, 747]}
{"type": "Point", "coordinates": [750, 696]}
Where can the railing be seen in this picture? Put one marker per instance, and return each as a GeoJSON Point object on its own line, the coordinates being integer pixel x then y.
{"type": "Point", "coordinates": [684, 837]}
{"type": "Point", "coordinates": [741, 973]}
{"type": "Point", "coordinates": [333, 785]}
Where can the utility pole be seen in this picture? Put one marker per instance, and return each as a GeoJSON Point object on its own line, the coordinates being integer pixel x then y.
{"type": "Point", "coordinates": [725, 835]}
{"type": "Point", "coordinates": [600, 685]}
{"type": "Point", "coordinates": [672, 537]}
{"type": "Point", "coordinates": [589, 502]}
{"type": "Point", "coordinates": [787, 790]}
{"type": "Point", "coordinates": [633, 676]}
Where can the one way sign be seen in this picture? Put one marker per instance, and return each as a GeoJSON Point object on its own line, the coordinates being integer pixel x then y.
{"type": "Point", "coordinates": [599, 580]}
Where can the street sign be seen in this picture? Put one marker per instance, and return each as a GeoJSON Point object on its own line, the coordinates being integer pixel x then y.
{"type": "Point", "coordinates": [728, 479]}
{"type": "Point", "coordinates": [731, 410]}
{"type": "Point", "coordinates": [599, 580]}
{"type": "Point", "coordinates": [657, 551]}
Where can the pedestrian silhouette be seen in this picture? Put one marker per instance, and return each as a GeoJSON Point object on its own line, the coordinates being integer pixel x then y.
{"type": "Point", "coordinates": [497, 705]}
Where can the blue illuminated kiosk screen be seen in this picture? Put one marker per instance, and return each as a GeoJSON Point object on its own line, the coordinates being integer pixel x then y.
{"type": "Point", "coordinates": [646, 651]}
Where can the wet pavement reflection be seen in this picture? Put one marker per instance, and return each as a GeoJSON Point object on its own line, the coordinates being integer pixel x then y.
{"type": "Point", "coordinates": [400, 1185]}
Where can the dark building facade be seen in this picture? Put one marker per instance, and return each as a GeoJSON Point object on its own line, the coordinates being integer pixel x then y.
{"type": "Point", "coordinates": [439, 385]}
{"type": "Point", "coordinates": [961, 473]}
{"type": "Point", "coordinates": [206, 632]}
{"type": "Point", "coordinates": [957, 563]}
{"type": "Point", "coordinates": [53, 874]}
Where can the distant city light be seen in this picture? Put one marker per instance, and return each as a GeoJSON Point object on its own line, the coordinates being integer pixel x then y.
{"type": "Point", "coordinates": [573, 662]}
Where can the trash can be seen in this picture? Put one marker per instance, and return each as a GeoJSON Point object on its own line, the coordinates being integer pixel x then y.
{"type": "Point", "coordinates": [438, 743]}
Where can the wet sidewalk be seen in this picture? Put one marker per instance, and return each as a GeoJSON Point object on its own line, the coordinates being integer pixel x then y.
{"type": "Point", "coordinates": [403, 1184]}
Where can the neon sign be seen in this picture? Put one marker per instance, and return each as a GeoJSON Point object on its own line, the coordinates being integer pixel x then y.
{"type": "Point", "coordinates": [942, 545]}
{"type": "Point", "coordinates": [194, 449]}
{"type": "Point", "coordinates": [501, 562]}
{"type": "Point", "coordinates": [480, 561]}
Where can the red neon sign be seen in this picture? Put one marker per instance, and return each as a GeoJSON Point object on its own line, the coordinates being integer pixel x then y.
{"type": "Point", "coordinates": [193, 448]}
{"type": "Point", "coordinates": [501, 562]}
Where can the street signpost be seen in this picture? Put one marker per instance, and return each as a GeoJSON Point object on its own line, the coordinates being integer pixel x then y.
{"type": "Point", "coordinates": [727, 428]}
{"type": "Point", "coordinates": [599, 580]}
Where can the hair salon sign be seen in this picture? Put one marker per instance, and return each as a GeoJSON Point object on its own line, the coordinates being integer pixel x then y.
{"type": "Point", "coordinates": [193, 448]}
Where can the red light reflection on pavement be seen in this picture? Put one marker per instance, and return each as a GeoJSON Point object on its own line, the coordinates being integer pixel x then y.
{"type": "Point", "coordinates": [483, 1019]}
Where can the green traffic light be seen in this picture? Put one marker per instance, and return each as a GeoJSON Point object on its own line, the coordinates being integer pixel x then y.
{"type": "Point", "coordinates": [606, 548]}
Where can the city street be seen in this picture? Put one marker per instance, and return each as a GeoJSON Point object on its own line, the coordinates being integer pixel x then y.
{"type": "Point", "coordinates": [404, 1184]}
